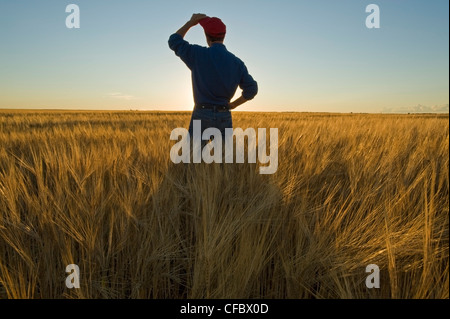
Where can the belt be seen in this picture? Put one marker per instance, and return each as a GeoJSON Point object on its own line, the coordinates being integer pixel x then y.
{"type": "Point", "coordinates": [218, 108]}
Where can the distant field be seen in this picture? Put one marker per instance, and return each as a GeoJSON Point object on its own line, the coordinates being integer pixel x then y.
{"type": "Point", "coordinates": [98, 189]}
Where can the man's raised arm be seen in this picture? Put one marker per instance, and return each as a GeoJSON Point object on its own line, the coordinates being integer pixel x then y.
{"type": "Point", "coordinates": [196, 17]}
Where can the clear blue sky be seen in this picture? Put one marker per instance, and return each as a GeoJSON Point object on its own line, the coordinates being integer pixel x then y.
{"type": "Point", "coordinates": [306, 55]}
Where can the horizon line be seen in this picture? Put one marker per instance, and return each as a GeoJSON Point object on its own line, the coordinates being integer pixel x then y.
{"type": "Point", "coordinates": [190, 111]}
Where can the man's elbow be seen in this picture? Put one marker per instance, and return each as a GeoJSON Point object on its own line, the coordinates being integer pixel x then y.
{"type": "Point", "coordinates": [250, 92]}
{"type": "Point", "coordinates": [172, 41]}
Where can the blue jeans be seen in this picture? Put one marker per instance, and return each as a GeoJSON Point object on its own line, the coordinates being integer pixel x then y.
{"type": "Point", "coordinates": [220, 119]}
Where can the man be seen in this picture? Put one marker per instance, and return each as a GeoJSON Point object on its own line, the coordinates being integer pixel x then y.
{"type": "Point", "coordinates": [216, 74]}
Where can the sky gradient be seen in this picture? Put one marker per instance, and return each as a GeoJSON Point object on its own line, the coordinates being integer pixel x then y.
{"type": "Point", "coordinates": [307, 56]}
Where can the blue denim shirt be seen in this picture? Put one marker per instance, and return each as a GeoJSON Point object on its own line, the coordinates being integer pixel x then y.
{"type": "Point", "coordinates": [216, 72]}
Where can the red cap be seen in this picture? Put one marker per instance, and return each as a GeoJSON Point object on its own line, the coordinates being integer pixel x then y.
{"type": "Point", "coordinates": [213, 27]}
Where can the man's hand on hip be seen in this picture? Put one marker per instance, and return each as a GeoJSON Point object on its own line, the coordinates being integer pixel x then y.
{"type": "Point", "coordinates": [241, 100]}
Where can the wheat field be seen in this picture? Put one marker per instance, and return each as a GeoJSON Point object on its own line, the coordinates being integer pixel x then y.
{"type": "Point", "coordinates": [98, 189]}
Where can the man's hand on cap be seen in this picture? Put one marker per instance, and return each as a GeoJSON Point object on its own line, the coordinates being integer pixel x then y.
{"type": "Point", "coordinates": [196, 17]}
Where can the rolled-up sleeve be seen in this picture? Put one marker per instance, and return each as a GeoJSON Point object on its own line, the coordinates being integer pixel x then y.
{"type": "Point", "coordinates": [182, 49]}
{"type": "Point", "coordinates": [248, 85]}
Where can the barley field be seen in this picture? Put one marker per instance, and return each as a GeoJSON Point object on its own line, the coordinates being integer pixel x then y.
{"type": "Point", "coordinates": [98, 189]}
